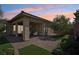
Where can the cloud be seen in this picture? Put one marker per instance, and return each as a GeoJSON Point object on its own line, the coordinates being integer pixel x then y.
{"type": "Point", "coordinates": [31, 9]}
{"type": "Point", "coordinates": [52, 15]}
{"type": "Point", "coordinates": [49, 15]}
{"type": "Point", "coordinates": [12, 13]}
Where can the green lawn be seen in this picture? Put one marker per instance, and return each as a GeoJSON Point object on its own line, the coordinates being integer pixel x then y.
{"type": "Point", "coordinates": [6, 49]}
{"type": "Point", "coordinates": [33, 50]}
{"type": "Point", "coordinates": [5, 46]}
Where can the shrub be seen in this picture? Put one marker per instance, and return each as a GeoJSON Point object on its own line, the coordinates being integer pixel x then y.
{"type": "Point", "coordinates": [68, 46]}
{"type": "Point", "coordinates": [3, 39]}
{"type": "Point", "coordinates": [8, 51]}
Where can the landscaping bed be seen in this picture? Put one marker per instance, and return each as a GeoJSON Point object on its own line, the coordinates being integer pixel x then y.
{"type": "Point", "coordinates": [5, 46]}
{"type": "Point", "coordinates": [52, 37]}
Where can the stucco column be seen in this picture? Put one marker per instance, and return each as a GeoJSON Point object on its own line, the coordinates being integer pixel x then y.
{"type": "Point", "coordinates": [25, 29]}
{"type": "Point", "coordinates": [44, 29]}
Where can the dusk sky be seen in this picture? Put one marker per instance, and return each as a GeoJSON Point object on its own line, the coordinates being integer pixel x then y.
{"type": "Point", "coordinates": [47, 11]}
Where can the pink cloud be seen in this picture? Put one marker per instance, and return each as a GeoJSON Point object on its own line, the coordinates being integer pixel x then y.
{"type": "Point", "coordinates": [9, 15]}
{"type": "Point", "coordinates": [31, 9]}
{"type": "Point", "coordinates": [52, 15]}
{"type": "Point", "coordinates": [12, 13]}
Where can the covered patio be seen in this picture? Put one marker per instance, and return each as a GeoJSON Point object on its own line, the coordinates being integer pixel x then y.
{"type": "Point", "coordinates": [27, 25]}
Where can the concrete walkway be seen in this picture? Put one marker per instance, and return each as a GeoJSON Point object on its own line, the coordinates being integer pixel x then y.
{"type": "Point", "coordinates": [48, 45]}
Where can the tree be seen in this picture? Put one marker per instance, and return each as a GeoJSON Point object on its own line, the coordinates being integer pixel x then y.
{"type": "Point", "coordinates": [2, 24]}
{"type": "Point", "coordinates": [61, 24]}
{"type": "Point", "coordinates": [76, 16]}
{"type": "Point", "coordinates": [1, 13]}
{"type": "Point", "coordinates": [70, 45]}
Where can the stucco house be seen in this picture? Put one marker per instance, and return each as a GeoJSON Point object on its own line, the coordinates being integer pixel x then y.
{"type": "Point", "coordinates": [27, 25]}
